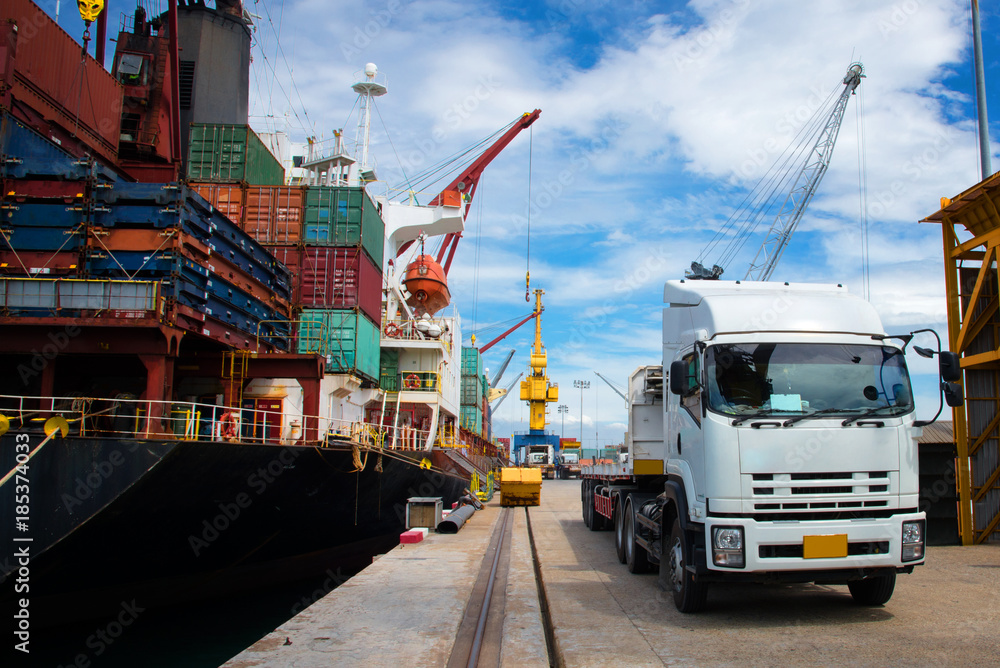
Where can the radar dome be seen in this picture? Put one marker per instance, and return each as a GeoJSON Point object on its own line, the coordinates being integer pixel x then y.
{"type": "Point", "coordinates": [371, 69]}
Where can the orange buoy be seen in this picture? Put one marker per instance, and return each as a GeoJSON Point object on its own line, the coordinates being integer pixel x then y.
{"type": "Point", "coordinates": [427, 284]}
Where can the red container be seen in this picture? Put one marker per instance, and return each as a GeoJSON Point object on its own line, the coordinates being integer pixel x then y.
{"type": "Point", "coordinates": [28, 190]}
{"type": "Point", "coordinates": [228, 198]}
{"type": "Point", "coordinates": [49, 78]}
{"type": "Point", "coordinates": [39, 264]}
{"type": "Point", "coordinates": [340, 278]}
{"type": "Point", "coordinates": [274, 214]}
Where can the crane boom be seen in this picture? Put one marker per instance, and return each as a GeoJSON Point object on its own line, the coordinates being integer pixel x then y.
{"type": "Point", "coordinates": [503, 367]}
{"type": "Point", "coordinates": [612, 386]}
{"type": "Point", "coordinates": [466, 182]}
{"type": "Point", "coordinates": [805, 186]}
{"type": "Point", "coordinates": [505, 391]}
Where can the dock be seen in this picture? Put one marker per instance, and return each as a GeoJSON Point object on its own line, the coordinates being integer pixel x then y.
{"type": "Point", "coordinates": [561, 598]}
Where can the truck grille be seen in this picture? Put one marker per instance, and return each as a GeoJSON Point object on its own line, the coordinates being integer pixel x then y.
{"type": "Point", "coordinates": [861, 490]}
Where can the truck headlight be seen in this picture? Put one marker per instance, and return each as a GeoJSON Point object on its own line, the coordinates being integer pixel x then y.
{"type": "Point", "coordinates": [727, 547]}
{"type": "Point", "coordinates": [913, 540]}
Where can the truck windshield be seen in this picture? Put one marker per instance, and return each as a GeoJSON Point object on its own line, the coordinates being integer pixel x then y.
{"type": "Point", "coordinates": [807, 378]}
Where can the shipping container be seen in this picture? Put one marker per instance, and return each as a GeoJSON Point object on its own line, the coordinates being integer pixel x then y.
{"type": "Point", "coordinates": [472, 361]}
{"type": "Point", "coordinates": [30, 238]}
{"type": "Point", "coordinates": [471, 418]}
{"type": "Point", "coordinates": [344, 217]}
{"type": "Point", "coordinates": [45, 72]}
{"type": "Point", "coordinates": [44, 190]}
{"type": "Point", "coordinates": [470, 395]}
{"type": "Point", "coordinates": [340, 278]}
{"type": "Point", "coordinates": [274, 214]}
{"type": "Point", "coordinates": [39, 263]}
{"type": "Point", "coordinates": [76, 298]}
{"type": "Point", "coordinates": [347, 338]}
{"type": "Point", "coordinates": [231, 153]}
{"type": "Point", "coordinates": [229, 199]}
{"type": "Point", "coordinates": [389, 369]}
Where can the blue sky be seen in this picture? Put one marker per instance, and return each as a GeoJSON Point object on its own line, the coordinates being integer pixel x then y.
{"type": "Point", "coordinates": [655, 116]}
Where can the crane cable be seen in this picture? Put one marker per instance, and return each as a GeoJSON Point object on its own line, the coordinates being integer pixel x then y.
{"type": "Point", "coordinates": [475, 274]}
{"type": "Point", "coordinates": [527, 252]}
{"type": "Point", "coordinates": [760, 200]}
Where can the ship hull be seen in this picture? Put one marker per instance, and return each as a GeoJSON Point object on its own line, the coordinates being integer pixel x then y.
{"type": "Point", "coordinates": [167, 521]}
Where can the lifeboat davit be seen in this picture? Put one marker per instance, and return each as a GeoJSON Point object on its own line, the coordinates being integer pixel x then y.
{"type": "Point", "coordinates": [427, 284]}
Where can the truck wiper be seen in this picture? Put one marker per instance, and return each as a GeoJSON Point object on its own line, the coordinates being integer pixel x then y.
{"type": "Point", "coordinates": [795, 419]}
{"type": "Point", "coordinates": [761, 413]}
{"type": "Point", "coordinates": [868, 412]}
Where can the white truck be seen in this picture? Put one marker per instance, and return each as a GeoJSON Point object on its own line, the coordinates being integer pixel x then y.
{"type": "Point", "coordinates": [543, 457]}
{"type": "Point", "coordinates": [778, 447]}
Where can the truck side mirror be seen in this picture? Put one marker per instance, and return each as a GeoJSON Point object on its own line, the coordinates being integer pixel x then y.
{"type": "Point", "coordinates": [952, 393]}
{"type": "Point", "coordinates": [949, 366]}
{"type": "Point", "coordinates": [679, 377]}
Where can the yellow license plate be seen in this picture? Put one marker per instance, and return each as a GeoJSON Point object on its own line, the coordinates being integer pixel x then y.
{"type": "Point", "coordinates": [824, 547]}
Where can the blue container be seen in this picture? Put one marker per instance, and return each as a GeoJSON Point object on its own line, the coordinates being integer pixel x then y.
{"type": "Point", "coordinates": [23, 238]}
{"type": "Point", "coordinates": [54, 214]}
{"type": "Point", "coordinates": [26, 154]}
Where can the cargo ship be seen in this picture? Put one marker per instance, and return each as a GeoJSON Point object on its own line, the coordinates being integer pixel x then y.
{"type": "Point", "coordinates": [249, 375]}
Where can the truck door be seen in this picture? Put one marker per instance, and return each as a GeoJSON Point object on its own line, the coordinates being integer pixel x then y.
{"type": "Point", "coordinates": [685, 435]}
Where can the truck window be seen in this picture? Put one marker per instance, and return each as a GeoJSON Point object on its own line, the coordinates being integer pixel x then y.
{"type": "Point", "coordinates": [806, 378]}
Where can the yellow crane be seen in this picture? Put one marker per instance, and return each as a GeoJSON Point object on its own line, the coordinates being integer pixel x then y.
{"type": "Point", "coordinates": [535, 389]}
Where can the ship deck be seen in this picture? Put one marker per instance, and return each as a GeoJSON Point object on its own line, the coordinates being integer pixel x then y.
{"type": "Point", "coordinates": [412, 605]}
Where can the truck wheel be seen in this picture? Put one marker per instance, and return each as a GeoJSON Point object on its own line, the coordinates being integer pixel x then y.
{"type": "Point", "coordinates": [588, 505]}
{"type": "Point", "coordinates": [689, 594]}
{"type": "Point", "coordinates": [619, 533]}
{"type": "Point", "coordinates": [635, 556]}
{"type": "Point", "coordinates": [874, 590]}
{"type": "Point", "coordinates": [583, 499]}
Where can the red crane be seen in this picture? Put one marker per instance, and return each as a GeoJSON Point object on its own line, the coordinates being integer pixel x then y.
{"type": "Point", "coordinates": [466, 182]}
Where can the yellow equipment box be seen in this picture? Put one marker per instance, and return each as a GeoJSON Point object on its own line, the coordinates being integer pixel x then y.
{"type": "Point", "coordinates": [520, 487]}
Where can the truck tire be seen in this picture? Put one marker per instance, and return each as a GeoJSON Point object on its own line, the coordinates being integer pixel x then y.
{"type": "Point", "coordinates": [689, 594]}
{"type": "Point", "coordinates": [875, 590]}
{"type": "Point", "coordinates": [588, 504]}
{"type": "Point", "coordinates": [619, 533]}
{"type": "Point", "coordinates": [635, 556]}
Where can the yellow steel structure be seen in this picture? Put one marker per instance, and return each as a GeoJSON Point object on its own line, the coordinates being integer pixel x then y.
{"type": "Point", "coordinates": [970, 227]}
{"type": "Point", "coordinates": [535, 389]}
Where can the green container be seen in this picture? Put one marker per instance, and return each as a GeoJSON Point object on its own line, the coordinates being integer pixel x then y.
{"type": "Point", "coordinates": [472, 361]}
{"type": "Point", "coordinates": [231, 153]}
{"type": "Point", "coordinates": [471, 395]}
{"type": "Point", "coordinates": [471, 417]}
{"type": "Point", "coordinates": [343, 217]}
{"type": "Point", "coordinates": [486, 386]}
{"type": "Point", "coordinates": [389, 370]}
{"type": "Point", "coordinates": [348, 340]}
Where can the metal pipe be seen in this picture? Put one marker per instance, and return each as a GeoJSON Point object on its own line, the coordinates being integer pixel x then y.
{"type": "Point", "coordinates": [456, 519]}
{"type": "Point", "coordinates": [984, 128]}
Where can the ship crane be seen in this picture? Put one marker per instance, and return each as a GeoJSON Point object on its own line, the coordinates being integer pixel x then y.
{"type": "Point", "coordinates": [796, 201]}
{"type": "Point", "coordinates": [466, 182]}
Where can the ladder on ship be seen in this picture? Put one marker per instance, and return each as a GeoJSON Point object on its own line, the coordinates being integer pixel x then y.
{"type": "Point", "coordinates": [234, 371]}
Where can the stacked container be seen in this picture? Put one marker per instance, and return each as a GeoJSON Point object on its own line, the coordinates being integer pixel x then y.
{"type": "Point", "coordinates": [155, 251]}
{"type": "Point", "coordinates": [471, 410]}
{"type": "Point", "coordinates": [332, 240]}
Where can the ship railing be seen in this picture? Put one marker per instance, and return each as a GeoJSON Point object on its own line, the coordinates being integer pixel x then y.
{"type": "Point", "coordinates": [417, 381]}
{"type": "Point", "coordinates": [410, 330]}
{"type": "Point", "coordinates": [124, 416]}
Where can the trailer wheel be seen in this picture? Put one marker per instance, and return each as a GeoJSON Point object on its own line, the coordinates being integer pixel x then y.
{"type": "Point", "coordinates": [619, 533]}
{"type": "Point", "coordinates": [588, 504]}
{"type": "Point", "coordinates": [689, 594]}
{"type": "Point", "coordinates": [635, 556]}
{"type": "Point", "coordinates": [874, 590]}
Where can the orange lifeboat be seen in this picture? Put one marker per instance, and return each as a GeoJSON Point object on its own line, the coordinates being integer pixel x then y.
{"type": "Point", "coordinates": [427, 284]}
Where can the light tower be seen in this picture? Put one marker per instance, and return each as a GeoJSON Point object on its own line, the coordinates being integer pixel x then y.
{"type": "Point", "coordinates": [563, 409]}
{"type": "Point", "coordinates": [583, 385]}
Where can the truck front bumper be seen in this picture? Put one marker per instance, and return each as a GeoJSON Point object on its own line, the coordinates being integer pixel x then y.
{"type": "Point", "coordinates": [821, 545]}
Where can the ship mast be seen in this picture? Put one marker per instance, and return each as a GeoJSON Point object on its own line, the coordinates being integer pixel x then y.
{"type": "Point", "coordinates": [367, 89]}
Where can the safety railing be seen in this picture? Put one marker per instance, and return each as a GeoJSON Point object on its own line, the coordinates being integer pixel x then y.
{"type": "Point", "coordinates": [127, 417]}
{"type": "Point", "coordinates": [420, 330]}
